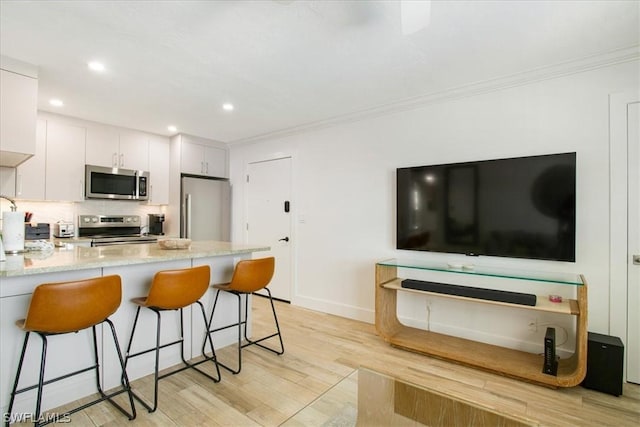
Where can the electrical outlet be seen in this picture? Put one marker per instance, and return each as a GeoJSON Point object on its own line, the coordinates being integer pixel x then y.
{"type": "Point", "coordinates": [533, 325]}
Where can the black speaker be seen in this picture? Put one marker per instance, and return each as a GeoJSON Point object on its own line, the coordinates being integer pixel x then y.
{"type": "Point", "coordinates": [550, 366]}
{"type": "Point", "coordinates": [605, 360]}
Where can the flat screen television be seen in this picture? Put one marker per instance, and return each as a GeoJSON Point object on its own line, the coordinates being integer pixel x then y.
{"type": "Point", "coordinates": [522, 207]}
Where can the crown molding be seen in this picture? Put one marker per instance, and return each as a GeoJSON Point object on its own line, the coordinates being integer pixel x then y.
{"type": "Point", "coordinates": [562, 69]}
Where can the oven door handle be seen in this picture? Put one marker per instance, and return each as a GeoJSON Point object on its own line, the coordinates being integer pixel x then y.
{"type": "Point", "coordinates": [98, 244]}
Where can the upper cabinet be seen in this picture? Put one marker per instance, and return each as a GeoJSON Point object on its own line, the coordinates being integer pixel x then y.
{"type": "Point", "coordinates": [117, 148]}
{"type": "Point", "coordinates": [19, 105]}
{"type": "Point", "coordinates": [103, 146]}
{"type": "Point", "coordinates": [134, 150]}
{"type": "Point", "coordinates": [8, 181]}
{"type": "Point", "coordinates": [65, 162]}
{"type": "Point", "coordinates": [201, 159]}
{"type": "Point", "coordinates": [158, 170]}
{"type": "Point", "coordinates": [65, 144]}
{"type": "Point", "coordinates": [30, 177]}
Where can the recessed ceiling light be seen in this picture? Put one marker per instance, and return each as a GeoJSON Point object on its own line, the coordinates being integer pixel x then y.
{"type": "Point", "coordinates": [96, 66]}
{"type": "Point", "coordinates": [227, 106]}
{"type": "Point", "coordinates": [172, 128]}
{"type": "Point", "coordinates": [56, 102]}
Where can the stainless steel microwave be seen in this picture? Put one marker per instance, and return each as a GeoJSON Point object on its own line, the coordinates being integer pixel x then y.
{"type": "Point", "coordinates": [116, 183]}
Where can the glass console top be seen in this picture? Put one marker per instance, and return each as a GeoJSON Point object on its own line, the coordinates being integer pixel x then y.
{"type": "Point", "coordinates": [479, 270]}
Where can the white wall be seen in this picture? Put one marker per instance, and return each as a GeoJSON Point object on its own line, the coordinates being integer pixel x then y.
{"type": "Point", "coordinates": [344, 186]}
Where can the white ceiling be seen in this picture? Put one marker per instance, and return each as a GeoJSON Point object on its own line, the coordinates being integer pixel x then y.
{"type": "Point", "coordinates": [287, 64]}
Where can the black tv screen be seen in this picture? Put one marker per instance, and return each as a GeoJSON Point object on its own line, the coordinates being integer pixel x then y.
{"type": "Point", "coordinates": [521, 207]}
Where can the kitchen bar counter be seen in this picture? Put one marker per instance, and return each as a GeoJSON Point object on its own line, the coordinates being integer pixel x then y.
{"type": "Point", "coordinates": [74, 257]}
{"type": "Point", "coordinates": [136, 264]}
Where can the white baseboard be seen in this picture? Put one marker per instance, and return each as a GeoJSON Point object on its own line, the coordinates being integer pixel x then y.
{"type": "Point", "coordinates": [331, 307]}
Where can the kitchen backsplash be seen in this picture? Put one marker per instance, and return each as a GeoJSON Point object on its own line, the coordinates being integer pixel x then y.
{"type": "Point", "coordinates": [52, 212]}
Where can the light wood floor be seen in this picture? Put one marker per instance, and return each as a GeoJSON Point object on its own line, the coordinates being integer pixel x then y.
{"type": "Point", "coordinates": [323, 350]}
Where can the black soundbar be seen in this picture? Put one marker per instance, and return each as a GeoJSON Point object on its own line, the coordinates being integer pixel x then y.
{"type": "Point", "coordinates": [470, 292]}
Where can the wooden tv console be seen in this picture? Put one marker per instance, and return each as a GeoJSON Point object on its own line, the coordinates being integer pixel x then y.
{"type": "Point", "coordinates": [500, 360]}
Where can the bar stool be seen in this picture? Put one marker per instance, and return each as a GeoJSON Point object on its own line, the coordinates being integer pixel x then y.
{"type": "Point", "coordinates": [248, 277]}
{"type": "Point", "coordinates": [63, 308]}
{"type": "Point", "coordinates": [173, 290]}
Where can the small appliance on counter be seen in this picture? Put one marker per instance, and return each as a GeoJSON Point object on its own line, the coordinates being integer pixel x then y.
{"type": "Point", "coordinates": [37, 231]}
{"type": "Point", "coordinates": [156, 222]}
{"type": "Point", "coordinates": [12, 228]}
{"type": "Point", "coordinates": [63, 229]}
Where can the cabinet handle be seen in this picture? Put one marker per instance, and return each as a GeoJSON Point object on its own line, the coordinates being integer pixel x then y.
{"type": "Point", "coordinates": [121, 160]}
{"type": "Point", "coordinates": [81, 190]}
{"type": "Point", "coordinates": [19, 185]}
{"type": "Point", "coordinates": [114, 160]}
{"type": "Point", "coordinates": [207, 169]}
{"type": "Point", "coordinates": [201, 167]}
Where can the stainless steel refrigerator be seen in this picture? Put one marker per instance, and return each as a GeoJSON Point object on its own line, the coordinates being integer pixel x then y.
{"type": "Point", "coordinates": [206, 209]}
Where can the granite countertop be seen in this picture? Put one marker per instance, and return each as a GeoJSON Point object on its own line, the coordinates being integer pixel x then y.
{"type": "Point", "coordinates": [74, 257]}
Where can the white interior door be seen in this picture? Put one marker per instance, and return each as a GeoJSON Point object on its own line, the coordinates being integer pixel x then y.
{"type": "Point", "coordinates": [633, 243]}
{"type": "Point", "coordinates": [269, 218]}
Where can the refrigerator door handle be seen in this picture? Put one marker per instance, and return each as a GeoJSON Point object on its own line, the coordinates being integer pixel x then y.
{"type": "Point", "coordinates": [188, 217]}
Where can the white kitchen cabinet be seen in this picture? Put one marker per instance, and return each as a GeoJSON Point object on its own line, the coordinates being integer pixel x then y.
{"type": "Point", "coordinates": [65, 162]}
{"type": "Point", "coordinates": [198, 159]}
{"type": "Point", "coordinates": [8, 181]}
{"type": "Point", "coordinates": [215, 160]}
{"type": "Point", "coordinates": [134, 150]}
{"type": "Point", "coordinates": [112, 148]}
{"type": "Point", "coordinates": [159, 170]}
{"type": "Point", "coordinates": [18, 103]}
{"type": "Point", "coordinates": [30, 175]}
{"type": "Point", "coordinates": [103, 146]}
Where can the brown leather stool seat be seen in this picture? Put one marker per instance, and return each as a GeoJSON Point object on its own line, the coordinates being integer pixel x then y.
{"type": "Point", "coordinates": [249, 276]}
{"type": "Point", "coordinates": [66, 307]}
{"type": "Point", "coordinates": [173, 290]}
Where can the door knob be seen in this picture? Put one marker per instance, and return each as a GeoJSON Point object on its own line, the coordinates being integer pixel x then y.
{"type": "Point", "coordinates": [285, 239]}
{"type": "Point", "coordinates": [636, 259]}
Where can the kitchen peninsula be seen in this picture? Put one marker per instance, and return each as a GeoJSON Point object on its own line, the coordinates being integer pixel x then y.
{"type": "Point", "coordinates": [135, 264]}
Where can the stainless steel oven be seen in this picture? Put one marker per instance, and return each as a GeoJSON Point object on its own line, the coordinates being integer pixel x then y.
{"type": "Point", "coordinates": [116, 183]}
{"type": "Point", "coordinates": [106, 230]}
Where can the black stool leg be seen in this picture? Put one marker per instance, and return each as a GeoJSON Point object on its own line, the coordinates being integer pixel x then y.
{"type": "Point", "coordinates": [242, 334]}
{"type": "Point", "coordinates": [95, 357]}
{"type": "Point", "coordinates": [211, 331]}
{"type": "Point", "coordinates": [129, 355]}
{"type": "Point", "coordinates": [206, 358]}
{"type": "Point", "coordinates": [157, 348]}
{"type": "Point", "coordinates": [133, 330]}
{"type": "Point", "coordinates": [278, 334]}
{"type": "Point", "coordinates": [155, 377]}
{"type": "Point", "coordinates": [41, 378]}
{"type": "Point", "coordinates": [41, 382]}
{"type": "Point", "coordinates": [239, 324]}
{"type": "Point", "coordinates": [125, 378]}
{"type": "Point", "coordinates": [15, 384]}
